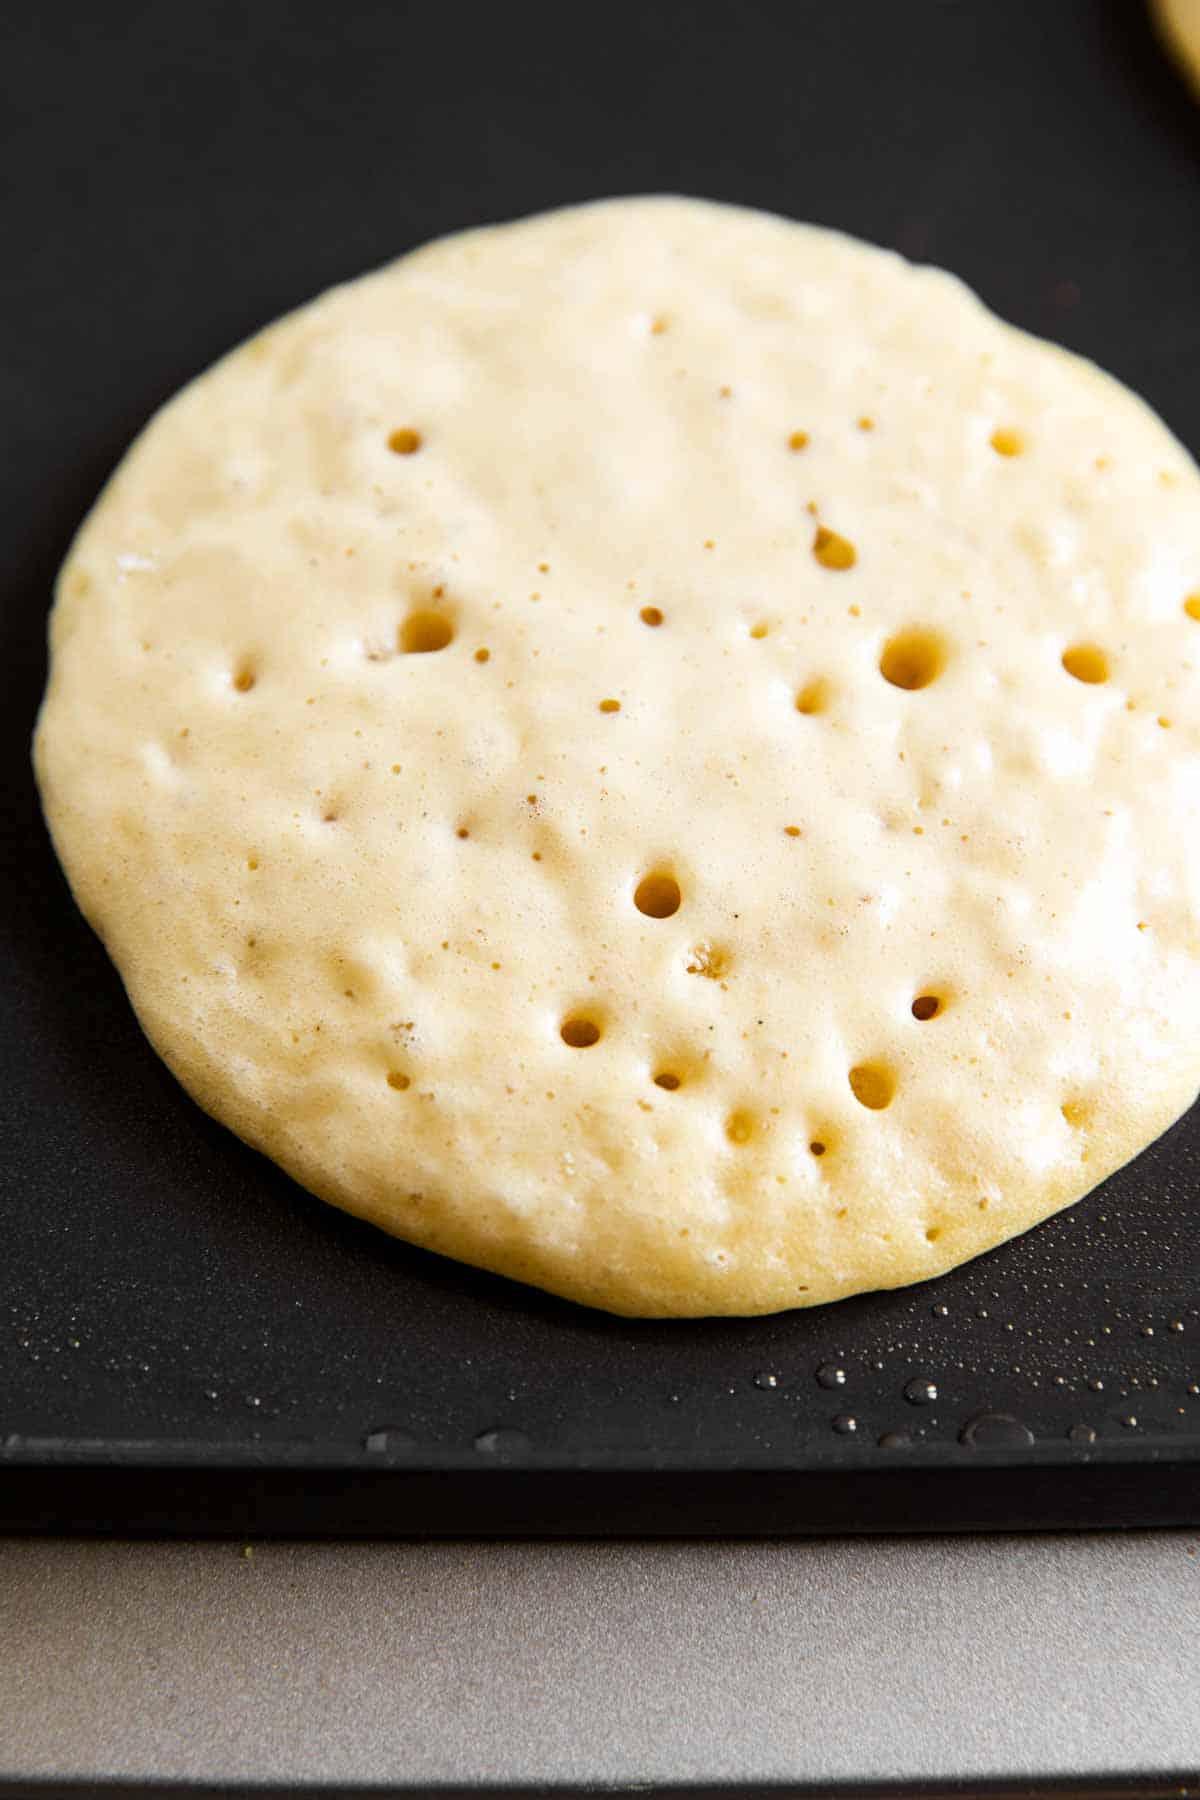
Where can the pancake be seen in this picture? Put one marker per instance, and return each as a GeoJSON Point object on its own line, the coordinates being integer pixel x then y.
{"type": "Point", "coordinates": [652, 750]}
{"type": "Point", "coordinates": [1178, 23]}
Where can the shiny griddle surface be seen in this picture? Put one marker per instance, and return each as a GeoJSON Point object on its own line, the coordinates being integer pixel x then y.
{"type": "Point", "coordinates": [187, 1340]}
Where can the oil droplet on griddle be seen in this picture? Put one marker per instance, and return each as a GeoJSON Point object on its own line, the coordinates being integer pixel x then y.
{"type": "Point", "coordinates": [845, 1424]}
{"type": "Point", "coordinates": [388, 1437]}
{"type": "Point", "coordinates": [920, 1391]}
{"type": "Point", "coordinates": [995, 1430]}
{"type": "Point", "coordinates": [766, 1381]}
{"type": "Point", "coordinates": [503, 1441]}
{"type": "Point", "coordinates": [831, 1375]}
{"type": "Point", "coordinates": [1082, 1434]}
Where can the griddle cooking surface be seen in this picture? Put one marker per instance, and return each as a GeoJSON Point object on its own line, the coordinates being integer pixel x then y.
{"type": "Point", "coordinates": [192, 1337]}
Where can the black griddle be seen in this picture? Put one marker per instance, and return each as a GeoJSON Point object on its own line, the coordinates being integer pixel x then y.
{"type": "Point", "coordinates": [189, 1342]}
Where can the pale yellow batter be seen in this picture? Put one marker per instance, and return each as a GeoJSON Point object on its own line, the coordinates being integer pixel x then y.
{"type": "Point", "coordinates": [1179, 24]}
{"type": "Point", "coordinates": [653, 750]}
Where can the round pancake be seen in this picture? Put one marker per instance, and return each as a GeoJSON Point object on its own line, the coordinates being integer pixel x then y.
{"type": "Point", "coordinates": [652, 750]}
{"type": "Point", "coordinates": [1178, 23]}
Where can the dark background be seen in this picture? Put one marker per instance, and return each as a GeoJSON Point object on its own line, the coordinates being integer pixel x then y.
{"type": "Point", "coordinates": [179, 175]}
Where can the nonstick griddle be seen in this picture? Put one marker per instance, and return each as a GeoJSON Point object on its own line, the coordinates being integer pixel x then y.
{"type": "Point", "coordinates": [189, 1342]}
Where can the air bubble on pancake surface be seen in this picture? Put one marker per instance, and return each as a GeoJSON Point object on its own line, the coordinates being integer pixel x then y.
{"type": "Point", "coordinates": [658, 895]}
{"type": "Point", "coordinates": [873, 1085]}
{"type": "Point", "coordinates": [913, 658]}
{"type": "Point", "coordinates": [926, 1006]}
{"type": "Point", "coordinates": [651, 615]}
{"type": "Point", "coordinates": [1086, 662]}
{"type": "Point", "coordinates": [424, 632]}
{"type": "Point", "coordinates": [814, 696]}
{"type": "Point", "coordinates": [1006, 441]}
{"type": "Point", "coordinates": [832, 550]}
{"type": "Point", "coordinates": [579, 1032]}
{"type": "Point", "coordinates": [404, 441]}
{"type": "Point", "coordinates": [1191, 606]}
{"type": "Point", "coordinates": [709, 960]}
